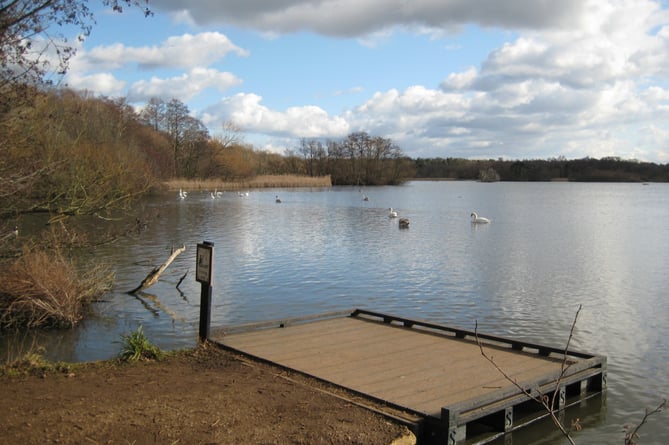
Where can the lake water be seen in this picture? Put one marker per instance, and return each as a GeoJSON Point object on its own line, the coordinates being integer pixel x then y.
{"type": "Point", "coordinates": [550, 248]}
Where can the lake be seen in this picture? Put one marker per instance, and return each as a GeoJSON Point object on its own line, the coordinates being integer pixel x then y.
{"type": "Point", "coordinates": [550, 248]}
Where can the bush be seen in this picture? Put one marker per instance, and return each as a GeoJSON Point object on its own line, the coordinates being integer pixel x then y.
{"type": "Point", "coordinates": [43, 289]}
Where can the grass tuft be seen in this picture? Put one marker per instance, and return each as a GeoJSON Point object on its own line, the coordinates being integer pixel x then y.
{"type": "Point", "coordinates": [137, 347]}
{"type": "Point", "coordinates": [33, 363]}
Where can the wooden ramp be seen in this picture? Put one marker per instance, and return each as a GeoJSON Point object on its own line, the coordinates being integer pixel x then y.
{"type": "Point", "coordinates": [432, 372]}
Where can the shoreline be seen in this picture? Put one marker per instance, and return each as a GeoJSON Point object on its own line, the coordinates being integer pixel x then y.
{"type": "Point", "coordinates": [256, 182]}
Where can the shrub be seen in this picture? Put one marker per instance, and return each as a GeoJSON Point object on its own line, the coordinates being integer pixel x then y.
{"type": "Point", "coordinates": [43, 289]}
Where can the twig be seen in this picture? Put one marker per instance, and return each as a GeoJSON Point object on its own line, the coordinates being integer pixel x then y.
{"type": "Point", "coordinates": [632, 434]}
{"type": "Point", "coordinates": [544, 400]}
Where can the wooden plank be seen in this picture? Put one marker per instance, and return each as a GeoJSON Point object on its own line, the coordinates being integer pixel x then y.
{"type": "Point", "coordinates": [422, 367]}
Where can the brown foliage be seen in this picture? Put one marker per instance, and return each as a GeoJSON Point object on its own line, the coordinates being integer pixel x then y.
{"type": "Point", "coordinates": [43, 289]}
{"type": "Point", "coordinates": [66, 153]}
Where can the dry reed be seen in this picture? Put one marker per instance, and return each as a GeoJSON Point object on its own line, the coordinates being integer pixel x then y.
{"type": "Point", "coordinates": [44, 290]}
{"type": "Point", "coordinates": [256, 182]}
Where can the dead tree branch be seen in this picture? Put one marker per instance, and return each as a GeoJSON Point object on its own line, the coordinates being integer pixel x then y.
{"type": "Point", "coordinates": [154, 275]}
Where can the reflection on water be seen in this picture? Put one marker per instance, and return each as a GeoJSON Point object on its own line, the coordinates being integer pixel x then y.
{"type": "Point", "coordinates": [550, 248]}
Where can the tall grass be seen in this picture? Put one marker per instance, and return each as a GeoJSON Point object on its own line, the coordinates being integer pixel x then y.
{"type": "Point", "coordinates": [43, 289]}
{"type": "Point", "coordinates": [256, 182]}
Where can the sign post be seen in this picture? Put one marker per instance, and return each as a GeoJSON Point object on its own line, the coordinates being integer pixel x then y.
{"type": "Point", "coordinates": [203, 273]}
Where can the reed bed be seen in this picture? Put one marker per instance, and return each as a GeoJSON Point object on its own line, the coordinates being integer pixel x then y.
{"type": "Point", "coordinates": [256, 182]}
{"type": "Point", "coordinates": [44, 290]}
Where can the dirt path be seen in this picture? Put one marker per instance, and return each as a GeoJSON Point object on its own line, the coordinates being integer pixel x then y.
{"type": "Point", "coordinates": [205, 396]}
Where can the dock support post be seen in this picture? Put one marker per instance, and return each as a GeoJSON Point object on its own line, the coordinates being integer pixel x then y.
{"type": "Point", "coordinates": [562, 397]}
{"type": "Point", "coordinates": [456, 433]}
{"type": "Point", "coordinates": [508, 419]}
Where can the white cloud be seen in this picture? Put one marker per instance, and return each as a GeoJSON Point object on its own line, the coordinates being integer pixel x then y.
{"type": "Point", "coordinates": [460, 81]}
{"type": "Point", "coordinates": [102, 83]}
{"type": "Point", "coordinates": [246, 111]}
{"type": "Point", "coordinates": [184, 51]}
{"type": "Point", "coordinates": [183, 87]}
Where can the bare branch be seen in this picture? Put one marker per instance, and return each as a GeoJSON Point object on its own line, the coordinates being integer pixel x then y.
{"type": "Point", "coordinates": [545, 401]}
{"type": "Point", "coordinates": [632, 433]}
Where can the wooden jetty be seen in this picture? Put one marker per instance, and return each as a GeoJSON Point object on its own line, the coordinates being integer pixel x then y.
{"type": "Point", "coordinates": [433, 375]}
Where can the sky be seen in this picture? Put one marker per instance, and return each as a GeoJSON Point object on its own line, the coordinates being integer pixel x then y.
{"type": "Point", "coordinates": [475, 79]}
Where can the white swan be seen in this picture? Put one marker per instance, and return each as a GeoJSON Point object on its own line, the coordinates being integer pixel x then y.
{"type": "Point", "coordinates": [392, 213]}
{"type": "Point", "coordinates": [479, 219]}
{"type": "Point", "coordinates": [182, 194]}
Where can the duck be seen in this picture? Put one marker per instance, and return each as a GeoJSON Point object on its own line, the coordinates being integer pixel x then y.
{"type": "Point", "coordinates": [277, 200]}
{"type": "Point", "coordinates": [392, 213]}
{"type": "Point", "coordinates": [478, 219]}
{"type": "Point", "coordinates": [404, 223]}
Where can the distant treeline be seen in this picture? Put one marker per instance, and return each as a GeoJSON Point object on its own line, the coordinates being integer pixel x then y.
{"type": "Point", "coordinates": [609, 169]}
{"type": "Point", "coordinates": [67, 153]}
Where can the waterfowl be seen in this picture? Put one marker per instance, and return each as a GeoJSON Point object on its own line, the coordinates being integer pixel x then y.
{"type": "Point", "coordinates": [404, 223]}
{"type": "Point", "coordinates": [277, 200]}
{"type": "Point", "coordinates": [479, 219]}
{"type": "Point", "coordinates": [392, 213]}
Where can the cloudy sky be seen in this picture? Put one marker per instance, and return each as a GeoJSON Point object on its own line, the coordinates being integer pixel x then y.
{"type": "Point", "coordinates": [517, 79]}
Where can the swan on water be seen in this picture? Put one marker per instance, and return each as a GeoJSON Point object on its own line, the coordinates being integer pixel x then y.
{"type": "Point", "coordinates": [479, 219]}
{"type": "Point", "coordinates": [182, 194]}
{"type": "Point", "coordinates": [392, 213]}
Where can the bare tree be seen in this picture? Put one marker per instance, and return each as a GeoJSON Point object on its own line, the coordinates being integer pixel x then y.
{"type": "Point", "coordinates": [154, 114]}
{"type": "Point", "coordinates": [32, 41]}
{"type": "Point", "coordinates": [230, 136]}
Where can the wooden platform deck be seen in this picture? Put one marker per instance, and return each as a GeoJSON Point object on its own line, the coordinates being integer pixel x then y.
{"type": "Point", "coordinates": [431, 372]}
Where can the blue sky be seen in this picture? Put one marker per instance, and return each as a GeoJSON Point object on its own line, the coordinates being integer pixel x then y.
{"type": "Point", "coordinates": [530, 79]}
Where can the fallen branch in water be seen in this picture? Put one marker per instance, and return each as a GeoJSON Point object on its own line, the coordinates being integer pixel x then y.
{"type": "Point", "coordinates": [153, 276]}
